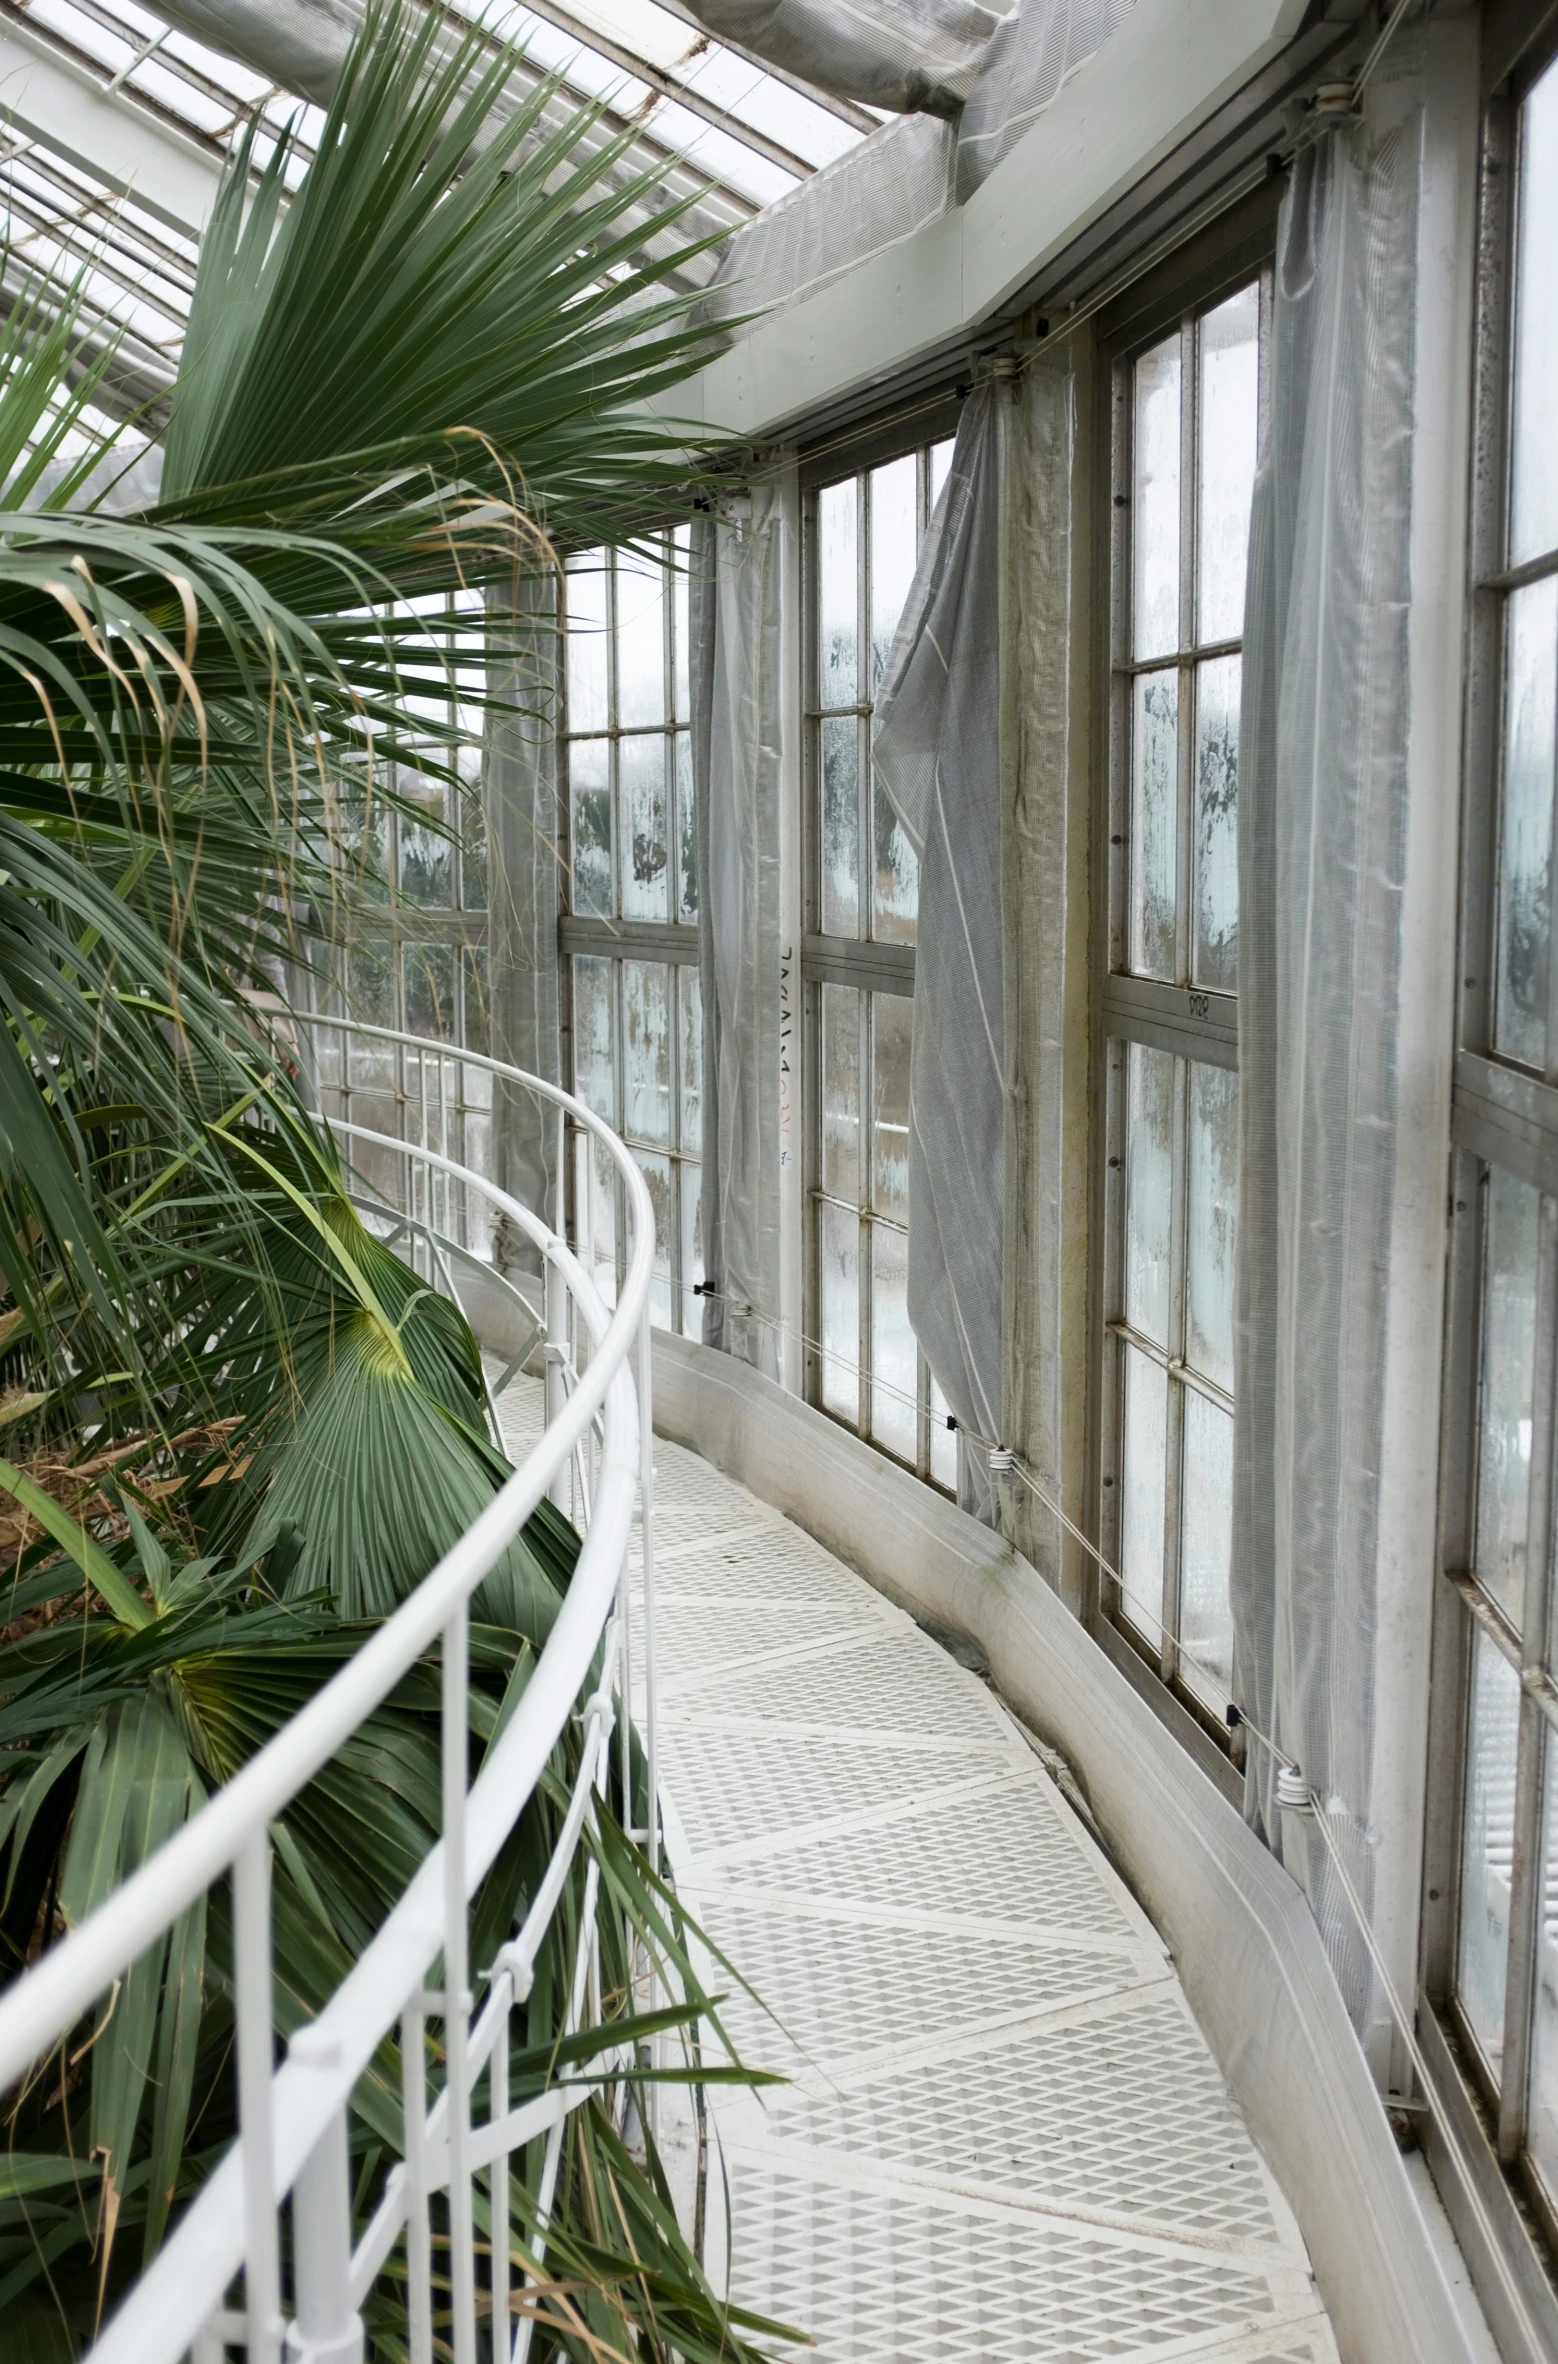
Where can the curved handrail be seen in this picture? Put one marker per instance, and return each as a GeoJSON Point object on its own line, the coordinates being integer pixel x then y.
{"type": "Point", "coordinates": [291, 2118]}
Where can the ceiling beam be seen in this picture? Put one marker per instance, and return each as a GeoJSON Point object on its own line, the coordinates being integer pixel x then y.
{"type": "Point", "coordinates": [47, 98]}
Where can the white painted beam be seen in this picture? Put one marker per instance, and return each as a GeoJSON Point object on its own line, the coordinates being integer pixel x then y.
{"type": "Point", "coordinates": [1168, 68]}
{"type": "Point", "coordinates": [46, 97]}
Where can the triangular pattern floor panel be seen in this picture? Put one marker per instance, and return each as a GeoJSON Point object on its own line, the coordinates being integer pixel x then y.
{"type": "Point", "coordinates": [1003, 2137]}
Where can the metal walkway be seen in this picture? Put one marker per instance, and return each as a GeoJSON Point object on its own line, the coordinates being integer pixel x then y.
{"type": "Point", "coordinates": [1004, 2137]}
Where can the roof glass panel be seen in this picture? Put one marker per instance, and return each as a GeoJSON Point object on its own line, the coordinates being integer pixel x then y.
{"type": "Point", "coordinates": [730, 133]}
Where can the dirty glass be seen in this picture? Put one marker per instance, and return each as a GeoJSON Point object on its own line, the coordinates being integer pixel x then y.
{"type": "Point", "coordinates": [1154, 841]}
{"type": "Point", "coordinates": [1149, 1189]}
{"type": "Point", "coordinates": [1507, 1397]}
{"type": "Point", "coordinates": [1155, 502]}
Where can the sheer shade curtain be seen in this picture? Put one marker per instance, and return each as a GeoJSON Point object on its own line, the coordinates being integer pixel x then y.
{"type": "Point", "coordinates": [937, 750]}
{"type": "Point", "coordinates": [1322, 836]}
{"type": "Point", "coordinates": [737, 654]}
{"type": "Point", "coordinates": [910, 172]}
{"type": "Point", "coordinates": [910, 56]}
{"type": "Point", "coordinates": [523, 836]}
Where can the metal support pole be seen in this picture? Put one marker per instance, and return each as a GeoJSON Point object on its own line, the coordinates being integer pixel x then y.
{"type": "Point", "coordinates": [502, 2337]}
{"type": "Point", "coordinates": [328, 2329]}
{"type": "Point", "coordinates": [419, 2237]}
{"type": "Point", "coordinates": [556, 1354]}
{"type": "Point", "coordinates": [457, 2001]}
{"type": "Point", "coordinates": [256, 2128]}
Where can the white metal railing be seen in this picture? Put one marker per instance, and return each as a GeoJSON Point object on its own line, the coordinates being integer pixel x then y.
{"type": "Point", "coordinates": [292, 2138]}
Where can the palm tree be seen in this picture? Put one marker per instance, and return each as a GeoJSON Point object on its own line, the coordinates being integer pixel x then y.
{"type": "Point", "coordinates": [429, 368]}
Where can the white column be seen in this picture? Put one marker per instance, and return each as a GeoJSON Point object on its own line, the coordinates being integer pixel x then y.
{"type": "Point", "coordinates": [1409, 1459]}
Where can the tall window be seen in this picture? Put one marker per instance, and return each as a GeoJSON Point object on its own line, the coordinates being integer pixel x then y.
{"type": "Point", "coordinates": [1186, 423]}
{"type": "Point", "coordinates": [629, 939]}
{"type": "Point", "coordinates": [863, 1364]}
{"type": "Point", "coordinates": [418, 962]}
{"type": "Point", "coordinates": [1499, 1957]}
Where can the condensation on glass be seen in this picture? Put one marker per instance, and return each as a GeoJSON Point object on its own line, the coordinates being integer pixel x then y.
{"type": "Point", "coordinates": [636, 1020]}
{"type": "Point", "coordinates": [865, 533]}
{"type": "Point", "coordinates": [1188, 422]}
{"type": "Point", "coordinates": [1195, 415]}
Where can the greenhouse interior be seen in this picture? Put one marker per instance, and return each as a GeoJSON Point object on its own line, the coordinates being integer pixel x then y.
{"type": "Point", "coordinates": [777, 904]}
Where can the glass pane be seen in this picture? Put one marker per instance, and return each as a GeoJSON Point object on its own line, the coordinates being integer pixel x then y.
{"type": "Point", "coordinates": [940, 466]}
{"type": "Point", "coordinates": [1144, 1480]}
{"type": "Point", "coordinates": [943, 1441]}
{"type": "Point", "coordinates": [681, 671]}
{"type": "Point", "coordinates": [686, 828]}
{"type": "Point", "coordinates": [589, 774]}
{"type": "Point", "coordinates": [1154, 849]}
{"type": "Point", "coordinates": [838, 594]}
{"type": "Point", "coordinates": [640, 640]}
{"type": "Point", "coordinates": [595, 1229]}
{"type": "Point", "coordinates": [476, 1019]}
{"type": "Point", "coordinates": [1229, 340]}
{"type": "Point", "coordinates": [646, 1051]}
{"type": "Point", "coordinates": [1508, 1353]}
{"type": "Point", "coordinates": [426, 855]}
{"type": "Point", "coordinates": [895, 501]}
{"type": "Point", "coordinates": [1542, 2138]}
{"type": "Point", "coordinates": [840, 827]}
{"type": "Point", "coordinates": [841, 1092]}
{"type": "Point", "coordinates": [892, 1018]}
{"type": "Point", "coordinates": [642, 805]}
{"type": "Point", "coordinates": [838, 1272]}
{"type": "Point", "coordinates": [1155, 503]}
{"type": "Point", "coordinates": [692, 1248]}
{"type": "Point", "coordinates": [894, 1360]}
{"type": "Point", "coordinates": [1487, 1844]}
{"type": "Point", "coordinates": [895, 877]}
{"type": "Point", "coordinates": [1149, 1188]}
{"type": "Point", "coordinates": [594, 1037]}
{"type": "Point", "coordinates": [1534, 476]}
{"type": "Point", "coordinates": [588, 705]}
{"type": "Point", "coordinates": [1206, 1552]}
{"type": "Point", "coordinates": [1526, 822]}
{"type": "Point", "coordinates": [429, 987]}
{"type": "Point", "coordinates": [1216, 951]}
{"type": "Point", "coordinates": [1213, 1193]}
{"type": "Point", "coordinates": [473, 850]}
{"type": "Point", "coordinates": [657, 1174]}
{"type": "Point", "coordinates": [690, 999]}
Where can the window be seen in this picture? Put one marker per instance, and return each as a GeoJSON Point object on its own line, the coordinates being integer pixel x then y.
{"type": "Point", "coordinates": [420, 963]}
{"type": "Point", "coordinates": [1494, 1960]}
{"type": "Point", "coordinates": [862, 893]}
{"type": "Point", "coordinates": [1186, 415]}
{"type": "Point", "coordinates": [629, 940]}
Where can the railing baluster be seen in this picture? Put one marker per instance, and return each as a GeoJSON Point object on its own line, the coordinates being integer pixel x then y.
{"type": "Point", "coordinates": [419, 2234]}
{"type": "Point", "coordinates": [328, 2330]}
{"type": "Point", "coordinates": [252, 1967]}
{"type": "Point", "coordinates": [180, 2310]}
{"type": "Point", "coordinates": [457, 2000]}
{"type": "Point", "coordinates": [556, 1354]}
{"type": "Point", "coordinates": [498, 2087]}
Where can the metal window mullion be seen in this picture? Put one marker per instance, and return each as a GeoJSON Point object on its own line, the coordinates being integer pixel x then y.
{"type": "Point", "coordinates": [865, 1195]}
{"type": "Point", "coordinates": [620, 1100]}
{"type": "Point", "coordinates": [1184, 737]}
{"type": "Point", "coordinates": [1526, 1872]}
{"type": "Point", "coordinates": [865, 874]}
{"type": "Point", "coordinates": [921, 1414]}
{"type": "Point", "coordinates": [1174, 1442]}
{"type": "Point", "coordinates": [1112, 1361]}
{"type": "Point", "coordinates": [673, 994]}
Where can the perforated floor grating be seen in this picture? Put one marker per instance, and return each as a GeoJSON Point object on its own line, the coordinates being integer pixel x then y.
{"type": "Point", "coordinates": [1002, 2136]}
